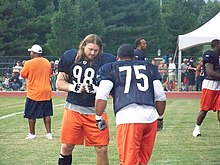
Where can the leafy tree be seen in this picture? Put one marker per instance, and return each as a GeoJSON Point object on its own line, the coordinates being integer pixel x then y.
{"type": "Point", "coordinates": [208, 11]}
{"type": "Point", "coordinates": [127, 20]}
{"type": "Point", "coordinates": [63, 28]}
{"type": "Point", "coordinates": [41, 22]}
{"type": "Point", "coordinates": [23, 23]}
{"type": "Point", "coordinates": [72, 22]}
{"type": "Point", "coordinates": [15, 24]}
{"type": "Point", "coordinates": [58, 25]}
{"type": "Point", "coordinates": [180, 17]}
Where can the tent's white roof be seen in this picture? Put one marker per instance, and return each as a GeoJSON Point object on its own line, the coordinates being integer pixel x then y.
{"type": "Point", "coordinates": [204, 34]}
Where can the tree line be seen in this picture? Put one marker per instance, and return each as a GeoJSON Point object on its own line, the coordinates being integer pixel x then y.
{"type": "Point", "coordinates": [59, 25]}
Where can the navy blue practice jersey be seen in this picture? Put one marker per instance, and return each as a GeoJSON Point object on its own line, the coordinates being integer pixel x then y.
{"type": "Point", "coordinates": [132, 82]}
{"type": "Point", "coordinates": [140, 54]}
{"type": "Point", "coordinates": [82, 72]}
{"type": "Point", "coordinates": [210, 56]}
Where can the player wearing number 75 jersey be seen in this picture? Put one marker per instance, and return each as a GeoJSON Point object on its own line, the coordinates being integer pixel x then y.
{"type": "Point", "coordinates": [77, 72]}
{"type": "Point", "coordinates": [138, 99]}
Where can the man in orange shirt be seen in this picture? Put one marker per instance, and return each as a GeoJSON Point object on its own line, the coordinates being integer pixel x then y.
{"type": "Point", "coordinates": [37, 72]}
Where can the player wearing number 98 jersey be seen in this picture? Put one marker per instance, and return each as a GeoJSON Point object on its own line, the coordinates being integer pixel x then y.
{"type": "Point", "coordinates": [77, 72]}
{"type": "Point", "coordinates": [82, 73]}
{"type": "Point", "coordinates": [138, 100]}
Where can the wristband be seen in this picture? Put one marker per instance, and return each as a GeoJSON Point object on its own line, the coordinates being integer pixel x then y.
{"type": "Point", "coordinates": [71, 87]}
{"type": "Point", "coordinates": [97, 117]}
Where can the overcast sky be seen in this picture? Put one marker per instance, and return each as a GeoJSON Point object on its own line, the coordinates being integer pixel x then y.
{"type": "Point", "coordinates": [212, 0]}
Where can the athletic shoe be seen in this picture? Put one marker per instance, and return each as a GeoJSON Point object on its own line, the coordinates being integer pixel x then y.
{"type": "Point", "coordinates": [49, 136]}
{"type": "Point", "coordinates": [196, 132]}
{"type": "Point", "coordinates": [159, 124]}
{"type": "Point", "coordinates": [30, 136]}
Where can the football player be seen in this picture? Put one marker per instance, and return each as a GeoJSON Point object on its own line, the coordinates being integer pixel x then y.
{"type": "Point", "coordinates": [210, 86]}
{"type": "Point", "coordinates": [138, 99]}
{"type": "Point", "coordinates": [77, 72]}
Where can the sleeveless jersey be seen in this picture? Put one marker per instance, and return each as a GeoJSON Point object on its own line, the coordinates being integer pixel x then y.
{"type": "Point", "coordinates": [82, 72]}
{"type": "Point", "coordinates": [132, 82]}
{"type": "Point", "coordinates": [210, 56]}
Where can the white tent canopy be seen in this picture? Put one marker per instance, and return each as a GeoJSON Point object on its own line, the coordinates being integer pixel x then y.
{"type": "Point", "coordinates": [204, 34]}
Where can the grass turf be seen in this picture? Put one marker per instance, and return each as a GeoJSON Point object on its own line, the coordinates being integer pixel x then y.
{"type": "Point", "coordinates": [174, 145]}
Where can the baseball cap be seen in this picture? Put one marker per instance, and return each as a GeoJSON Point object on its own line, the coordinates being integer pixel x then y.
{"type": "Point", "coordinates": [125, 50]}
{"type": "Point", "coordinates": [57, 62]}
{"type": "Point", "coordinates": [36, 48]}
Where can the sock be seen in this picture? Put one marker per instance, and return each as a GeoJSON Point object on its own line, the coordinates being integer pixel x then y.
{"type": "Point", "coordinates": [197, 126]}
{"type": "Point", "coordinates": [160, 117]}
{"type": "Point", "coordinates": [65, 160]}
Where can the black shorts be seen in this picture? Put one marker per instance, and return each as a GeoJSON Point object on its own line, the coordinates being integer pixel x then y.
{"type": "Point", "coordinates": [38, 109]}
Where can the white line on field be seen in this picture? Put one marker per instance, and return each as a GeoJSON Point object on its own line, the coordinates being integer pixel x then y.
{"type": "Point", "coordinates": [10, 115]}
{"type": "Point", "coordinates": [17, 113]}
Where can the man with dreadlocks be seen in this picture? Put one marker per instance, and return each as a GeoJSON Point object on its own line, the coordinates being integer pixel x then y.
{"type": "Point", "coordinates": [77, 72]}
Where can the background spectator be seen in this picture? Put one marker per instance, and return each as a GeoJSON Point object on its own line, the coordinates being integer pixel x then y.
{"type": "Point", "coordinates": [162, 68]}
{"type": "Point", "coordinates": [191, 75]}
{"type": "Point", "coordinates": [14, 82]}
{"type": "Point", "coordinates": [171, 70]}
{"type": "Point", "coordinates": [17, 68]}
{"type": "Point", "coordinates": [199, 76]}
{"type": "Point", "coordinates": [5, 83]}
{"type": "Point", "coordinates": [53, 77]}
{"type": "Point", "coordinates": [169, 85]}
{"type": "Point", "coordinates": [183, 73]}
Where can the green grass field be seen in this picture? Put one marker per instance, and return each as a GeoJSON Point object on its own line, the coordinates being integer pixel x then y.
{"type": "Point", "coordinates": [174, 144]}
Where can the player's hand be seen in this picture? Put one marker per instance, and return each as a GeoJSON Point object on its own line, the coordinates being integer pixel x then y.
{"type": "Point", "coordinates": [101, 124]}
{"type": "Point", "coordinates": [76, 87]}
{"type": "Point", "coordinates": [90, 88]}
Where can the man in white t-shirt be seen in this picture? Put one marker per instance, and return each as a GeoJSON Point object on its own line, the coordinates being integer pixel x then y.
{"type": "Point", "coordinates": [171, 69]}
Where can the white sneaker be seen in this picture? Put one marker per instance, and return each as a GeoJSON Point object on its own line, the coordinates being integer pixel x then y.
{"type": "Point", "coordinates": [196, 132]}
{"type": "Point", "coordinates": [30, 136]}
{"type": "Point", "coordinates": [49, 136]}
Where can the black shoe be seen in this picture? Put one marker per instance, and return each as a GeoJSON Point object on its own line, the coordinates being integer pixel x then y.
{"type": "Point", "coordinates": [159, 124]}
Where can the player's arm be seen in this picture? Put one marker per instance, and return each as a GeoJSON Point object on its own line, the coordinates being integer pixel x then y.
{"type": "Point", "coordinates": [62, 82]}
{"type": "Point", "coordinates": [100, 106]}
{"type": "Point", "coordinates": [210, 71]}
{"type": "Point", "coordinates": [160, 97]}
{"type": "Point", "coordinates": [102, 94]}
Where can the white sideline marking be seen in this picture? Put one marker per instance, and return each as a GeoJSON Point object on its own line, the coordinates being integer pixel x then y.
{"type": "Point", "coordinates": [17, 113]}
{"type": "Point", "coordinates": [9, 115]}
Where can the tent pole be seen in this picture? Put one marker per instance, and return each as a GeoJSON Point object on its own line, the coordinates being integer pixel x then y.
{"type": "Point", "coordinates": [179, 69]}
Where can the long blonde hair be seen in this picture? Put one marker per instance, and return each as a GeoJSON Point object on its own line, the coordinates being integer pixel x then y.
{"type": "Point", "coordinates": [91, 38]}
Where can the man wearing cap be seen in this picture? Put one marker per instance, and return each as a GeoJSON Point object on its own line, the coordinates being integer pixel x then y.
{"type": "Point", "coordinates": [37, 73]}
{"type": "Point", "coordinates": [139, 100]}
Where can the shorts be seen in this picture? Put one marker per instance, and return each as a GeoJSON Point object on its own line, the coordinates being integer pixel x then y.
{"type": "Point", "coordinates": [80, 129]}
{"type": "Point", "coordinates": [135, 142]}
{"type": "Point", "coordinates": [210, 100]}
{"type": "Point", "coordinates": [38, 109]}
